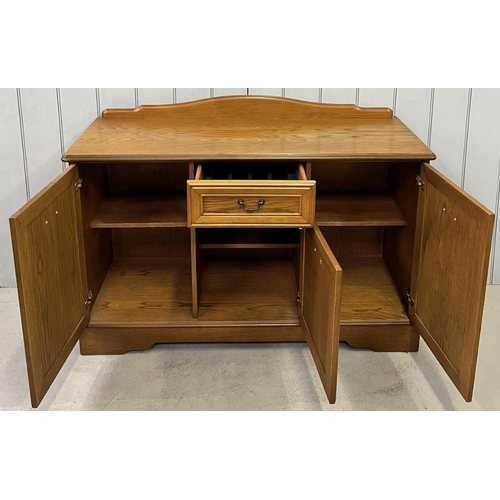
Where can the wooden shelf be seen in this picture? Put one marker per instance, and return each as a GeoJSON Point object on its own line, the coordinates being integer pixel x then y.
{"type": "Point", "coordinates": [129, 211]}
{"type": "Point", "coordinates": [357, 210]}
{"type": "Point", "coordinates": [249, 238]}
{"type": "Point", "coordinates": [235, 292]}
{"type": "Point", "coordinates": [369, 295]}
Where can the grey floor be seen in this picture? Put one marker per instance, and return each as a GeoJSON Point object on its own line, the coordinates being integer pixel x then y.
{"type": "Point", "coordinates": [247, 377]}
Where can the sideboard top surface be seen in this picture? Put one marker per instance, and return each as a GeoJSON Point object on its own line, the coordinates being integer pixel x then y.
{"type": "Point", "coordinates": [247, 128]}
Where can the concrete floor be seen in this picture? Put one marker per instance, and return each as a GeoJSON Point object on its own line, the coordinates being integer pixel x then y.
{"type": "Point", "coordinates": [248, 376]}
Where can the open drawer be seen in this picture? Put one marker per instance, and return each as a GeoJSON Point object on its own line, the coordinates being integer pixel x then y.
{"type": "Point", "coordinates": [255, 194]}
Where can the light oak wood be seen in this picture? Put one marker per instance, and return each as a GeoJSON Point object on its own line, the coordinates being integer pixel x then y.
{"type": "Point", "coordinates": [47, 238]}
{"type": "Point", "coordinates": [247, 127]}
{"type": "Point", "coordinates": [349, 176]}
{"type": "Point", "coordinates": [355, 240]}
{"type": "Point", "coordinates": [167, 210]}
{"type": "Point", "coordinates": [132, 177]}
{"type": "Point", "coordinates": [369, 295]}
{"type": "Point", "coordinates": [333, 209]}
{"type": "Point", "coordinates": [98, 244]}
{"type": "Point", "coordinates": [452, 248]}
{"type": "Point", "coordinates": [395, 338]}
{"type": "Point", "coordinates": [158, 293]}
{"type": "Point", "coordinates": [399, 242]}
{"type": "Point", "coordinates": [381, 338]}
{"type": "Point", "coordinates": [161, 243]}
{"type": "Point", "coordinates": [196, 271]}
{"type": "Point", "coordinates": [248, 238]}
{"type": "Point", "coordinates": [215, 203]}
{"type": "Point", "coordinates": [321, 307]}
{"type": "Point", "coordinates": [125, 339]}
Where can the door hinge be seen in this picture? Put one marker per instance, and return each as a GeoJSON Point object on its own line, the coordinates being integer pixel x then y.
{"type": "Point", "coordinates": [298, 298]}
{"type": "Point", "coordinates": [78, 185]}
{"type": "Point", "coordinates": [89, 300]}
{"type": "Point", "coordinates": [409, 298]}
{"type": "Point", "coordinates": [420, 182]}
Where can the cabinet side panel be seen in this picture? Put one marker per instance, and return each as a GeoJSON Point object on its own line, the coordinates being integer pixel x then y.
{"type": "Point", "coordinates": [98, 243]}
{"type": "Point", "coordinates": [399, 241]}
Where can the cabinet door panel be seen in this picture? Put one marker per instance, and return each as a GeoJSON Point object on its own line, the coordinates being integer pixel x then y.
{"type": "Point", "coordinates": [452, 247]}
{"type": "Point", "coordinates": [51, 278]}
{"type": "Point", "coordinates": [321, 296]}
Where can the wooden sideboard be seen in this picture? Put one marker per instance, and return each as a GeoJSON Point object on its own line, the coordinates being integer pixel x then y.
{"type": "Point", "coordinates": [251, 219]}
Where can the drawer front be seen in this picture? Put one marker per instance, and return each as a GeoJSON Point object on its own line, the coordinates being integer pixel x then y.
{"type": "Point", "coordinates": [251, 203]}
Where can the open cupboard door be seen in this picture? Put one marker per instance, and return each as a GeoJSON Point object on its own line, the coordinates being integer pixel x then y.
{"type": "Point", "coordinates": [47, 240]}
{"type": "Point", "coordinates": [452, 249]}
{"type": "Point", "coordinates": [320, 317]}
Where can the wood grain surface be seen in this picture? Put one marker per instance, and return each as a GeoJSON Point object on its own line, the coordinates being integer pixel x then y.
{"type": "Point", "coordinates": [247, 127]}
{"type": "Point", "coordinates": [47, 239]}
{"type": "Point", "coordinates": [333, 209]}
{"type": "Point", "coordinates": [158, 292]}
{"type": "Point", "coordinates": [453, 241]}
{"type": "Point", "coordinates": [321, 299]}
{"type": "Point", "coordinates": [369, 295]}
{"type": "Point", "coordinates": [167, 210]}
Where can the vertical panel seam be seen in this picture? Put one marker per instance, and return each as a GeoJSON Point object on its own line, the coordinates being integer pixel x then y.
{"type": "Point", "coordinates": [61, 126]}
{"type": "Point", "coordinates": [174, 95]}
{"type": "Point", "coordinates": [356, 97]}
{"type": "Point", "coordinates": [320, 95]}
{"type": "Point", "coordinates": [394, 101]}
{"type": "Point", "coordinates": [136, 97]}
{"type": "Point", "coordinates": [283, 92]}
{"type": "Point", "coordinates": [248, 91]}
{"type": "Point", "coordinates": [466, 138]}
{"type": "Point", "coordinates": [431, 116]}
{"type": "Point", "coordinates": [495, 230]}
{"type": "Point", "coordinates": [212, 92]}
{"type": "Point", "coordinates": [98, 102]}
{"type": "Point", "coordinates": [23, 144]}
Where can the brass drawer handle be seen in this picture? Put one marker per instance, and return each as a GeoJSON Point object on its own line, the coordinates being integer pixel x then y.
{"type": "Point", "coordinates": [241, 203]}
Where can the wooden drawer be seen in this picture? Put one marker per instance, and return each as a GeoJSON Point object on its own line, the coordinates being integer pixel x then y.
{"type": "Point", "coordinates": [217, 202]}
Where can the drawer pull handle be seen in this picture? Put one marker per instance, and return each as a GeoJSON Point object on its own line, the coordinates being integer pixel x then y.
{"type": "Point", "coordinates": [261, 202]}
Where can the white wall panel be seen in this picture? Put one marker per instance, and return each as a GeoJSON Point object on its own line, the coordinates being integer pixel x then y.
{"type": "Point", "coordinates": [464, 134]}
{"type": "Point", "coordinates": [449, 119]}
{"type": "Point", "coordinates": [219, 92]}
{"type": "Point", "coordinates": [12, 181]}
{"type": "Point", "coordinates": [483, 155]}
{"type": "Point", "coordinates": [376, 97]}
{"type": "Point", "coordinates": [117, 98]}
{"type": "Point", "coordinates": [303, 94]}
{"type": "Point", "coordinates": [275, 92]}
{"type": "Point", "coordinates": [156, 96]}
{"type": "Point", "coordinates": [412, 108]}
{"type": "Point", "coordinates": [78, 111]}
{"type": "Point", "coordinates": [483, 149]}
{"type": "Point", "coordinates": [184, 95]}
{"type": "Point", "coordinates": [41, 130]}
{"type": "Point", "coordinates": [339, 96]}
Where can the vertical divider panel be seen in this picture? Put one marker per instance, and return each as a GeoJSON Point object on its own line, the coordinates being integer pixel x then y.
{"type": "Point", "coordinates": [196, 263]}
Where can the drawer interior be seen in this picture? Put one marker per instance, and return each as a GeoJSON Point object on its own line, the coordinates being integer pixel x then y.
{"type": "Point", "coordinates": [248, 171]}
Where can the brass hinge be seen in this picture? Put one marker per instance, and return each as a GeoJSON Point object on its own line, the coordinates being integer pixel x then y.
{"type": "Point", "coordinates": [298, 298]}
{"type": "Point", "coordinates": [409, 298]}
{"type": "Point", "coordinates": [78, 185]}
{"type": "Point", "coordinates": [420, 182]}
{"type": "Point", "coordinates": [89, 300]}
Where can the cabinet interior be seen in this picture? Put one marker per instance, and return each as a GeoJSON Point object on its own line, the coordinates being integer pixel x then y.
{"type": "Point", "coordinates": [147, 268]}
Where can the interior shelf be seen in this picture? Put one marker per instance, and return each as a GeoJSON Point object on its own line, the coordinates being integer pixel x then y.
{"type": "Point", "coordinates": [157, 293]}
{"type": "Point", "coordinates": [357, 210]}
{"type": "Point", "coordinates": [369, 295]}
{"type": "Point", "coordinates": [129, 211]}
{"type": "Point", "coordinates": [249, 238]}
